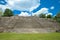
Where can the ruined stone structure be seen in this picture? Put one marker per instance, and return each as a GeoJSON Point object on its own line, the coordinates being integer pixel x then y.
{"type": "Point", "coordinates": [27, 24]}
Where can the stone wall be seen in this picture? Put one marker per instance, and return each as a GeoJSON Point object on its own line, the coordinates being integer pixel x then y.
{"type": "Point", "coordinates": [27, 24]}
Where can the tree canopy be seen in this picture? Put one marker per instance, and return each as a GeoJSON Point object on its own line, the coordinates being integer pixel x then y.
{"type": "Point", "coordinates": [0, 13]}
{"type": "Point", "coordinates": [49, 16]}
{"type": "Point", "coordinates": [8, 13]}
{"type": "Point", "coordinates": [57, 17]}
{"type": "Point", "coordinates": [42, 15]}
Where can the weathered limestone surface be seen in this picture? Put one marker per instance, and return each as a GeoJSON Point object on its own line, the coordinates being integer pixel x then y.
{"type": "Point", "coordinates": [27, 24]}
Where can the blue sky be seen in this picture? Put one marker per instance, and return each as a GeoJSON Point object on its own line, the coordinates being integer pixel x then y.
{"type": "Point", "coordinates": [28, 7]}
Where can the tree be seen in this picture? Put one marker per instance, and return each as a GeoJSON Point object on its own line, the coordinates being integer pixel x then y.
{"type": "Point", "coordinates": [42, 15]}
{"type": "Point", "coordinates": [0, 13]}
{"type": "Point", "coordinates": [49, 16]}
{"type": "Point", "coordinates": [8, 13]}
{"type": "Point", "coordinates": [54, 17]}
{"type": "Point", "coordinates": [57, 17]}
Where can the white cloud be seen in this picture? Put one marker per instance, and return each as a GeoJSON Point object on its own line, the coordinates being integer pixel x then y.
{"type": "Point", "coordinates": [4, 7]}
{"type": "Point", "coordinates": [52, 7]}
{"type": "Point", "coordinates": [23, 5]}
{"type": "Point", "coordinates": [42, 10]}
{"type": "Point", "coordinates": [24, 14]}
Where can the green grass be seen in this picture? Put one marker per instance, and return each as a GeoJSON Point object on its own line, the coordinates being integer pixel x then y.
{"type": "Point", "coordinates": [33, 36]}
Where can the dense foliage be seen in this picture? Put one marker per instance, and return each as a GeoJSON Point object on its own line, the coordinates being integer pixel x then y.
{"type": "Point", "coordinates": [1, 13]}
{"type": "Point", "coordinates": [42, 15]}
{"type": "Point", "coordinates": [49, 16]}
{"type": "Point", "coordinates": [8, 13]}
{"type": "Point", "coordinates": [45, 16]}
{"type": "Point", "coordinates": [57, 17]}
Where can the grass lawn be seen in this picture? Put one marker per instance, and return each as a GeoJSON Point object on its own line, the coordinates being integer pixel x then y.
{"type": "Point", "coordinates": [33, 36]}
